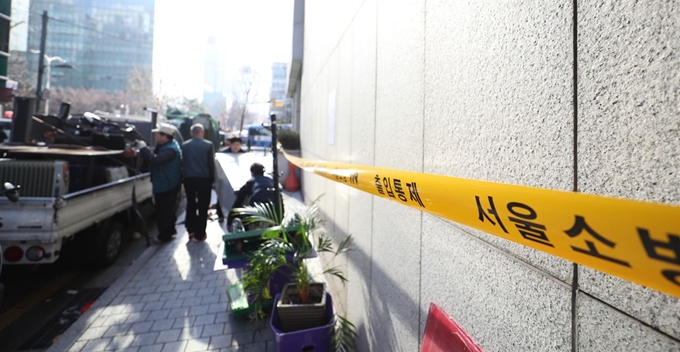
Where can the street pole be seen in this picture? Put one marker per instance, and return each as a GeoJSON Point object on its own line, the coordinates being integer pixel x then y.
{"type": "Point", "coordinates": [275, 154]}
{"type": "Point", "coordinates": [154, 121]}
{"type": "Point", "coordinates": [41, 63]}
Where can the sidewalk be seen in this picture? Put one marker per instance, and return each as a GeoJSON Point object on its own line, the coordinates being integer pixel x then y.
{"type": "Point", "coordinates": [173, 298]}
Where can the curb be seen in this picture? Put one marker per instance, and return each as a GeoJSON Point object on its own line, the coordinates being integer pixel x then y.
{"type": "Point", "coordinates": [64, 342]}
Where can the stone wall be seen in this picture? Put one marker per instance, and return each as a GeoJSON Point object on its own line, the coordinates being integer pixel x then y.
{"type": "Point", "coordinates": [486, 91]}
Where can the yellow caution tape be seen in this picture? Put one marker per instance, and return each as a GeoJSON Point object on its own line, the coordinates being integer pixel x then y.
{"type": "Point", "coordinates": [634, 240]}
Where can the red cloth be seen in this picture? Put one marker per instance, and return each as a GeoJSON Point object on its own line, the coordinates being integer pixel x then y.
{"type": "Point", "coordinates": [443, 334]}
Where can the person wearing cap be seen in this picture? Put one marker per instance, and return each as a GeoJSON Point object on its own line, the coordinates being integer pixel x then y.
{"type": "Point", "coordinates": [198, 174]}
{"type": "Point", "coordinates": [166, 178]}
{"type": "Point", "coordinates": [234, 145]}
{"type": "Point", "coordinates": [259, 189]}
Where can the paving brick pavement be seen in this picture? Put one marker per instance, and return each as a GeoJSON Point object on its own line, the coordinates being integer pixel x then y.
{"type": "Point", "coordinates": [172, 299]}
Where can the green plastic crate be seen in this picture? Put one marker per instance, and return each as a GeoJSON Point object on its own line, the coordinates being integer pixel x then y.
{"type": "Point", "coordinates": [238, 299]}
{"type": "Point", "coordinates": [251, 241]}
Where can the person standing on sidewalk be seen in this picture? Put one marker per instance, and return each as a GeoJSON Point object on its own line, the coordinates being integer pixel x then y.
{"type": "Point", "coordinates": [198, 173]}
{"type": "Point", "coordinates": [234, 145]}
{"type": "Point", "coordinates": [234, 148]}
{"type": "Point", "coordinates": [166, 178]}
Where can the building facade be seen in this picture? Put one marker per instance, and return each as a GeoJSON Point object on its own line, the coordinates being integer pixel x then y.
{"type": "Point", "coordinates": [5, 22]}
{"type": "Point", "coordinates": [277, 92]}
{"type": "Point", "coordinates": [542, 94]}
{"type": "Point", "coordinates": [106, 40]}
{"type": "Point", "coordinates": [19, 32]}
{"type": "Point", "coordinates": [294, 83]}
{"type": "Point", "coordinates": [215, 79]}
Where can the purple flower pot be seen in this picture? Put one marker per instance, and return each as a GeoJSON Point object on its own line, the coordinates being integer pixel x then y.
{"type": "Point", "coordinates": [318, 339]}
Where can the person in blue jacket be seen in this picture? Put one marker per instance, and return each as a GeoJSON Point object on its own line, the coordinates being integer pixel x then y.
{"type": "Point", "coordinates": [166, 178]}
{"type": "Point", "coordinates": [259, 189]}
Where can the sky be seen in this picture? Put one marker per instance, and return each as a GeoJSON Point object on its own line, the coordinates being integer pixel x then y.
{"type": "Point", "coordinates": [253, 32]}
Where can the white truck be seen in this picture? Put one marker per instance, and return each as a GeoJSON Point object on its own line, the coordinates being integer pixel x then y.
{"type": "Point", "coordinates": [12, 194]}
{"type": "Point", "coordinates": [69, 196]}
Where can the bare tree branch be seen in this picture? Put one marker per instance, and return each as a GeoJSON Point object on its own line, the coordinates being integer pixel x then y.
{"type": "Point", "coordinates": [243, 95]}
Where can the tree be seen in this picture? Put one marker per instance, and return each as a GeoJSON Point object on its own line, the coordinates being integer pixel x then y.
{"type": "Point", "coordinates": [245, 90]}
{"type": "Point", "coordinates": [221, 113]}
{"type": "Point", "coordinates": [139, 93]}
{"type": "Point", "coordinates": [216, 105]}
{"type": "Point", "coordinates": [17, 70]}
{"type": "Point", "coordinates": [190, 106]}
{"type": "Point", "coordinates": [131, 101]}
{"type": "Point", "coordinates": [83, 100]}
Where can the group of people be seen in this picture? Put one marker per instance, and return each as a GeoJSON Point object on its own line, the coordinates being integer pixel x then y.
{"type": "Point", "coordinates": [193, 165]}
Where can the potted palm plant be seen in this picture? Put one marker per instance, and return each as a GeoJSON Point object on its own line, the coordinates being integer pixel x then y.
{"type": "Point", "coordinates": [303, 302]}
{"type": "Point", "coordinates": [304, 307]}
{"type": "Point", "coordinates": [264, 257]}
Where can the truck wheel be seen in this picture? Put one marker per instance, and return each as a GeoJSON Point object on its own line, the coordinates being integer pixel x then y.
{"type": "Point", "coordinates": [109, 240]}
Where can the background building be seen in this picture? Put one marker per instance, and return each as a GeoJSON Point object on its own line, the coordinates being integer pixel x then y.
{"type": "Point", "coordinates": [107, 40]}
{"type": "Point", "coordinates": [5, 19]}
{"type": "Point", "coordinates": [280, 106]}
{"type": "Point", "coordinates": [215, 81]}
{"type": "Point", "coordinates": [294, 82]}
{"type": "Point", "coordinates": [19, 32]}
{"type": "Point", "coordinates": [487, 92]}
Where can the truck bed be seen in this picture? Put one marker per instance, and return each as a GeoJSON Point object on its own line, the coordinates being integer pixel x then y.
{"type": "Point", "coordinates": [50, 220]}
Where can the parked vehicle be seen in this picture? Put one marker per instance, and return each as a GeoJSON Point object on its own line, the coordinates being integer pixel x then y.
{"type": "Point", "coordinates": [285, 127]}
{"type": "Point", "coordinates": [5, 129]}
{"type": "Point", "coordinates": [259, 136]}
{"type": "Point", "coordinates": [62, 197]}
{"type": "Point", "coordinates": [76, 190]}
{"type": "Point", "coordinates": [183, 121]}
{"type": "Point", "coordinates": [11, 192]}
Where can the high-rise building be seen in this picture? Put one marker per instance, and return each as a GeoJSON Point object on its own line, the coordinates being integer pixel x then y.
{"type": "Point", "coordinates": [5, 20]}
{"type": "Point", "coordinates": [19, 32]}
{"type": "Point", "coordinates": [5, 10]}
{"type": "Point", "coordinates": [106, 40]}
{"type": "Point", "coordinates": [215, 80]}
{"type": "Point", "coordinates": [294, 87]}
{"type": "Point", "coordinates": [277, 93]}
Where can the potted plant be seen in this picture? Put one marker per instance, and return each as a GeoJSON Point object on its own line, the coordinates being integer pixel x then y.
{"type": "Point", "coordinates": [263, 252]}
{"type": "Point", "coordinates": [303, 317]}
{"type": "Point", "coordinates": [289, 139]}
{"type": "Point", "coordinates": [303, 301]}
{"type": "Point", "coordinates": [304, 304]}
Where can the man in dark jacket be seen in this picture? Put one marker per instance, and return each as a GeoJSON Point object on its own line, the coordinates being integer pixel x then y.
{"type": "Point", "coordinates": [259, 189]}
{"type": "Point", "coordinates": [198, 172]}
{"type": "Point", "coordinates": [166, 178]}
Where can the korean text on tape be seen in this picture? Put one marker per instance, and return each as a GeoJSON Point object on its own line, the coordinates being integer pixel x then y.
{"type": "Point", "coordinates": [634, 240]}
